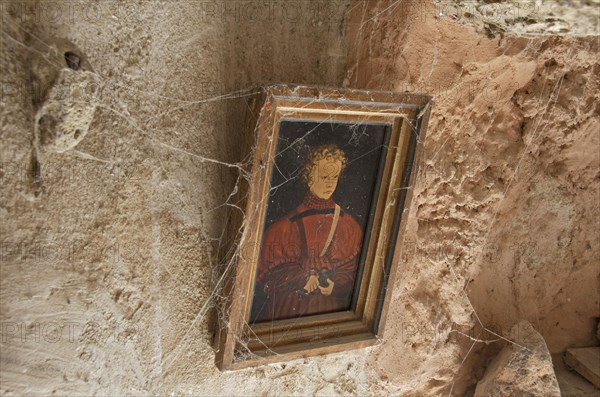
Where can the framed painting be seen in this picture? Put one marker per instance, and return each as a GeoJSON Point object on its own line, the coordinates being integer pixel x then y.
{"type": "Point", "coordinates": [331, 176]}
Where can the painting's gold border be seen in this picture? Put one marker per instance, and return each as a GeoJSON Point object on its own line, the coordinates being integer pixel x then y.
{"type": "Point", "coordinates": [241, 345]}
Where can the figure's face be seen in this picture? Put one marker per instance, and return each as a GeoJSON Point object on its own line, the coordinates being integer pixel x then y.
{"type": "Point", "coordinates": [324, 177]}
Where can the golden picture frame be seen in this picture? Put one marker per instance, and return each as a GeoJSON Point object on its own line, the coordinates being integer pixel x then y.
{"type": "Point", "coordinates": [315, 258]}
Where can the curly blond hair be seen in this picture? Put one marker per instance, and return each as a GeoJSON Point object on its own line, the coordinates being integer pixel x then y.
{"type": "Point", "coordinates": [330, 152]}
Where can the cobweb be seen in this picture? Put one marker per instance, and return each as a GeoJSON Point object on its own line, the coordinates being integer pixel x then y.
{"type": "Point", "coordinates": [225, 262]}
{"type": "Point", "coordinates": [374, 17]}
{"type": "Point", "coordinates": [227, 259]}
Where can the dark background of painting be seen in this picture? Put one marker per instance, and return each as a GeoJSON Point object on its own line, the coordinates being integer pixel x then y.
{"type": "Point", "coordinates": [362, 143]}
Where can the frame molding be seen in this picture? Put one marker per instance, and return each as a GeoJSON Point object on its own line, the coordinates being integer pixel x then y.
{"type": "Point", "coordinates": [240, 345]}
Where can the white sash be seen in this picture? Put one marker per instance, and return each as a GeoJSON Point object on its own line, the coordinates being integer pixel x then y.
{"type": "Point", "coordinates": [336, 217]}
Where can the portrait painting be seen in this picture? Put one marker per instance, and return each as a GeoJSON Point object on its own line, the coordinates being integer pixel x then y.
{"type": "Point", "coordinates": [325, 177]}
{"type": "Point", "coordinates": [315, 228]}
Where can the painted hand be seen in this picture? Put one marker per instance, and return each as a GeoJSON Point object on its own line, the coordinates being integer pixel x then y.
{"type": "Point", "coordinates": [327, 290]}
{"type": "Point", "coordinates": [312, 284]}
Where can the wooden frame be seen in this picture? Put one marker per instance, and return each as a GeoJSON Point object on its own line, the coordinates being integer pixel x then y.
{"type": "Point", "coordinates": [241, 344]}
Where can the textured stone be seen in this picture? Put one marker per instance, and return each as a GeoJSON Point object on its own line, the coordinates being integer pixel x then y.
{"type": "Point", "coordinates": [505, 207]}
{"type": "Point", "coordinates": [503, 223]}
{"type": "Point", "coordinates": [65, 117]}
{"type": "Point", "coordinates": [575, 18]}
{"type": "Point", "coordinates": [523, 368]}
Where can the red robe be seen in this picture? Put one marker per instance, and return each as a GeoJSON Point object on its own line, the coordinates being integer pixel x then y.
{"type": "Point", "coordinates": [291, 252]}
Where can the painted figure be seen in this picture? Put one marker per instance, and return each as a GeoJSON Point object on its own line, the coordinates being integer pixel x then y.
{"type": "Point", "coordinates": [309, 257]}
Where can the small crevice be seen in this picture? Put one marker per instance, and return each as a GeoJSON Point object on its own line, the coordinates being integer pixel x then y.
{"type": "Point", "coordinates": [35, 175]}
{"type": "Point", "coordinates": [73, 60]}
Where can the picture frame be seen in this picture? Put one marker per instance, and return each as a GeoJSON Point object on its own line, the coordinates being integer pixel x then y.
{"type": "Point", "coordinates": [314, 255]}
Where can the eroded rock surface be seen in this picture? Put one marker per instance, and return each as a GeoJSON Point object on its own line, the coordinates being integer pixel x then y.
{"type": "Point", "coordinates": [503, 223]}
{"type": "Point", "coordinates": [523, 368]}
{"type": "Point", "coordinates": [65, 117]}
{"type": "Point", "coordinates": [118, 250]}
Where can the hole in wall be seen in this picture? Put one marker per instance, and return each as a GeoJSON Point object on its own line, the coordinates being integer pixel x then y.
{"type": "Point", "coordinates": [73, 60]}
